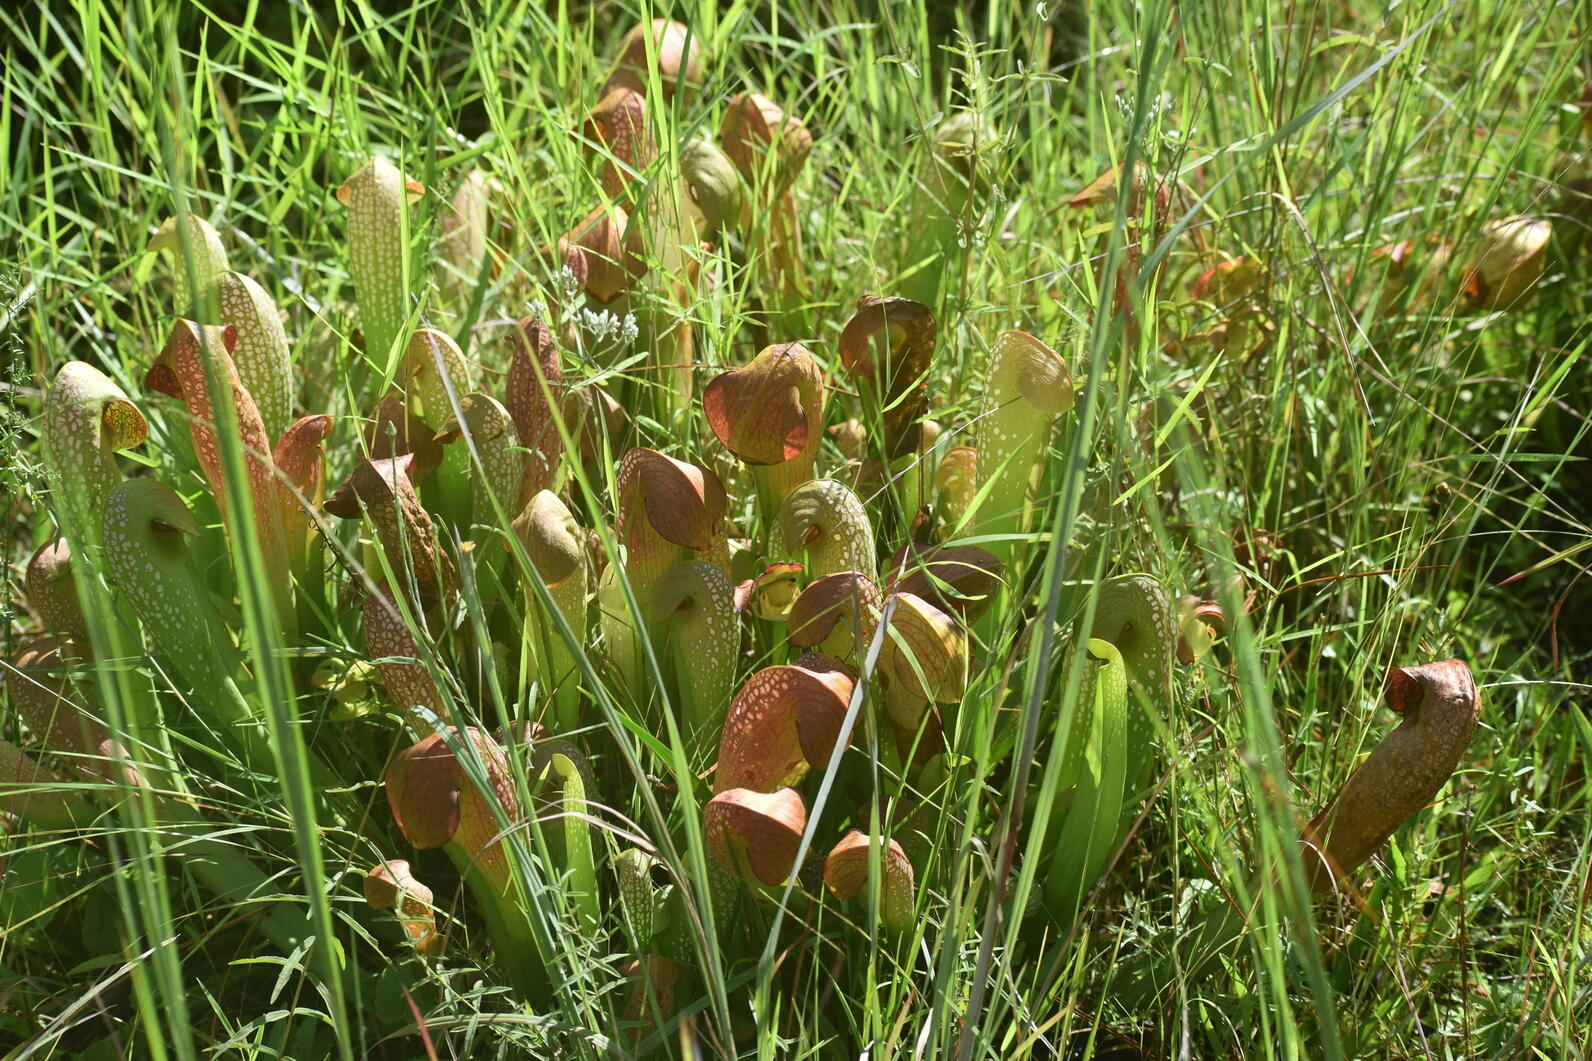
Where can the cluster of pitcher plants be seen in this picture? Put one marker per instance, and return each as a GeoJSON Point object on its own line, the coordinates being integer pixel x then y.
{"type": "Point", "coordinates": [786, 603]}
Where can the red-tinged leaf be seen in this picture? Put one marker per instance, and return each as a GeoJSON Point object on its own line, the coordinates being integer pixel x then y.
{"type": "Point", "coordinates": [436, 804]}
{"type": "Point", "coordinates": [180, 371]}
{"type": "Point", "coordinates": [668, 511]}
{"type": "Point", "coordinates": [755, 835]}
{"type": "Point", "coordinates": [393, 431]}
{"type": "Point", "coordinates": [678, 52]}
{"type": "Point", "coordinates": [533, 399]}
{"type": "Point", "coordinates": [391, 885]}
{"type": "Point", "coordinates": [383, 490]}
{"type": "Point", "coordinates": [1508, 262]}
{"type": "Point", "coordinates": [894, 374]}
{"type": "Point", "coordinates": [52, 590]}
{"type": "Point", "coordinates": [682, 503]}
{"type": "Point", "coordinates": [783, 722]}
{"type": "Point", "coordinates": [754, 125]}
{"type": "Point", "coordinates": [389, 640]}
{"type": "Point", "coordinates": [846, 871]}
{"type": "Point", "coordinates": [298, 456]}
{"type": "Point", "coordinates": [618, 126]}
{"type": "Point", "coordinates": [770, 411]}
{"type": "Point", "coordinates": [1439, 705]}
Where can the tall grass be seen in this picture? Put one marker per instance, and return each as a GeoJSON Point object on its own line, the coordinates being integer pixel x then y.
{"type": "Point", "coordinates": [1355, 469]}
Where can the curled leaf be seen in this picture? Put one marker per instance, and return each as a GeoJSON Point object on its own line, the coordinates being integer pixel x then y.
{"type": "Point", "coordinates": [1097, 766]}
{"type": "Point", "coordinates": [638, 895]}
{"type": "Point", "coordinates": [464, 242]}
{"type": "Point", "coordinates": [351, 684]}
{"type": "Point", "coordinates": [146, 532]}
{"type": "Point", "coordinates": [146, 556]}
{"type": "Point", "coordinates": [960, 142]}
{"type": "Point", "coordinates": [683, 503]}
{"type": "Point", "coordinates": [393, 430]}
{"type": "Point", "coordinates": [594, 252]}
{"type": "Point", "coordinates": [653, 977]}
{"type": "Point", "coordinates": [1228, 281]}
{"type": "Point", "coordinates": [619, 639]}
{"type": "Point", "coordinates": [556, 545]}
{"type": "Point", "coordinates": [768, 412]}
{"type": "Point", "coordinates": [956, 484]}
{"type": "Point", "coordinates": [1023, 368]}
{"type": "Point", "coordinates": [754, 127]}
{"type": "Point", "coordinates": [1134, 613]}
{"type": "Point", "coordinates": [769, 147]}
{"type": "Point", "coordinates": [300, 462]}
{"type": "Point", "coordinates": [1415, 265]}
{"type": "Point", "coordinates": [667, 509]}
{"type": "Point", "coordinates": [1201, 623]}
{"type": "Point", "coordinates": [87, 419]}
{"type": "Point", "coordinates": [436, 804]}
{"type": "Point", "coordinates": [1103, 190]}
{"type": "Point", "coordinates": [391, 885]}
{"type": "Point", "coordinates": [198, 265]}
{"type": "Point", "coordinates": [825, 521]}
{"type": "Point", "coordinates": [846, 877]}
{"type": "Point", "coordinates": [926, 654]}
{"type": "Point", "coordinates": [961, 580]}
{"type": "Point", "coordinates": [617, 125]}
{"type": "Point", "coordinates": [783, 721]}
{"type": "Point", "coordinates": [382, 489]}
{"type": "Point", "coordinates": [664, 251]}
{"type": "Point", "coordinates": [596, 420]}
{"type": "Point", "coordinates": [835, 614]}
{"type": "Point", "coordinates": [850, 438]}
{"type": "Point", "coordinates": [30, 791]}
{"type": "Point", "coordinates": [40, 682]}
{"type": "Point", "coordinates": [569, 779]}
{"type": "Point", "coordinates": [887, 347]}
{"type": "Point", "coordinates": [713, 183]}
{"type": "Point", "coordinates": [1439, 706]}
{"type": "Point", "coordinates": [551, 537]}
{"type": "Point", "coordinates": [497, 443]}
{"type": "Point", "coordinates": [1029, 386]}
{"type": "Point", "coordinates": [432, 367]}
{"type": "Point", "coordinates": [191, 353]}
{"type": "Point", "coordinates": [948, 199]}
{"type": "Point", "coordinates": [1507, 263]}
{"type": "Point", "coordinates": [771, 593]}
{"type": "Point", "coordinates": [694, 598]}
{"type": "Point", "coordinates": [921, 746]}
{"type": "Point", "coordinates": [755, 835]}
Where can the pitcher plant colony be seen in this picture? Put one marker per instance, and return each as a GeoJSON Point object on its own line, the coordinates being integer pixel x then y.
{"type": "Point", "coordinates": [684, 665]}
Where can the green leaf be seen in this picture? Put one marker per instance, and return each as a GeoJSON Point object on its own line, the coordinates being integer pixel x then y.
{"type": "Point", "coordinates": [378, 200]}
{"type": "Point", "coordinates": [1089, 834]}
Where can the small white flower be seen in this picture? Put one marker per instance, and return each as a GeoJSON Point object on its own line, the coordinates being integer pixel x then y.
{"type": "Point", "coordinates": [568, 282]}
